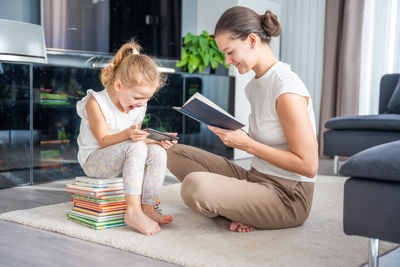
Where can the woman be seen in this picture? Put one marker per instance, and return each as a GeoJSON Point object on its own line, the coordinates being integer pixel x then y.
{"type": "Point", "coordinates": [277, 191]}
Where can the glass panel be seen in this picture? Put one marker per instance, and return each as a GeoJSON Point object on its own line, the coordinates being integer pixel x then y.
{"type": "Point", "coordinates": [103, 26]}
{"type": "Point", "coordinates": [56, 123]}
{"type": "Point", "coordinates": [55, 93]}
{"type": "Point", "coordinates": [14, 126]}
{"type": "Point", "coordinates": [220, 90]}
{"type": "Point", "coordinates": [160, 115]}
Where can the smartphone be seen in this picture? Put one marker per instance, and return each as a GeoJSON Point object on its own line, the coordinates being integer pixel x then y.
{"type": "Point", "coordinates": [159, 136]}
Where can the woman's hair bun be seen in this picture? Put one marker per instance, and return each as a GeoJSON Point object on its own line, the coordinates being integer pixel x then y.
{"type": "Point", "coordinates": [270, 23]}
{"type": "Point", "coordinates": [240, 21]}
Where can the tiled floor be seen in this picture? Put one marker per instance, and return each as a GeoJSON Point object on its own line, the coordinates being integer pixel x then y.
{"type": "Point", "coordinates": [25, 246]}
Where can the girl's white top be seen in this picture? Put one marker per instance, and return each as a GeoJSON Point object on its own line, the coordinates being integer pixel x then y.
{"type": "Point", "coordinates": [116, 121]}
{"type": "Point", "coordinates": [264, 124]}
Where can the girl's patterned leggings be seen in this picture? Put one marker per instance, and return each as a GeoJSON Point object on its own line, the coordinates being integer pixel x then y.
{"type": "Point", "coordinates": [143, 167]}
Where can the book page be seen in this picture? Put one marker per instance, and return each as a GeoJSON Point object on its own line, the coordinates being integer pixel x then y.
{"type": "Point", "coordinates": [208, 102]}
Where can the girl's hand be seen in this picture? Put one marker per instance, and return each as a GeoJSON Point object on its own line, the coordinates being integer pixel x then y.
{"type": "Point", "coordinates": [136, 134]}
{"type": "Point", "coordinates": [236, 139]}
{"type": "Point", "coordinates": [168, 144]}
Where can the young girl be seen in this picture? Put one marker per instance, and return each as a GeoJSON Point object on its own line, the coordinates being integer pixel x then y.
{"type": "Point", "coordinates": [111, 140]}
{"type": "Point", "coordinates": [277, 191]}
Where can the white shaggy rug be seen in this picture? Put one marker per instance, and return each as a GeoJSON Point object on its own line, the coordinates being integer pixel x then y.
{"type": "Point", "coordinates": [192, 240]}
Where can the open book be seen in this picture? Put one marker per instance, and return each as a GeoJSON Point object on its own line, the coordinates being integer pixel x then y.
{"type": "Point", "coordinates": [201, 109]}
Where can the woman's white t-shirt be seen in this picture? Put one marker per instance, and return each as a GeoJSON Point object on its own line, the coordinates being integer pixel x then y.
{"type": "Point", "coordinates": [116, 121]}
{"type": "Point", "coordinates": [264, 123]}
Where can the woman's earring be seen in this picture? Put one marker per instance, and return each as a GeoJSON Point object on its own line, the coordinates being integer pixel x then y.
{"type": "Point", "coordinates": [254, 49]}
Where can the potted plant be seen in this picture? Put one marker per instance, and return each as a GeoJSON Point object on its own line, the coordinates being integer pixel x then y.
{"type": "Point", "coordinates": [200, 51]}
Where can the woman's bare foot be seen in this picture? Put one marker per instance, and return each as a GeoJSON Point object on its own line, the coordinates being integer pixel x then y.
{"type": "Point", "coordinates": [240, 227]}
{"type": "Point", "coordinates": [153, 214]}
{"type": "Point", "coordinates": [142, 223]}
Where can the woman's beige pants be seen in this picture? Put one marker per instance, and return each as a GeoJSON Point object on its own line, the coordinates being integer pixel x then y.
{"type": "Point", "coordinates": [214, 186]}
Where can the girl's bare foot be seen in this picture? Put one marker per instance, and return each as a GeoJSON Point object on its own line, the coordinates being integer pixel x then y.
{"type": "Point", "coordinates": [240, 227]}
{"type": "Point", "coordinates": [142, 223]}
{"type": "Point", "coordinates": [153, 214]}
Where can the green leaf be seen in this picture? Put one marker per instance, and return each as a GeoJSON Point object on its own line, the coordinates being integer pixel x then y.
{"type": "Point", "coordinates": [205, 33]}
{"type": "Point", "coordinates": [192, 50]}
{"type": "Point", "coordinates": [213, 44]}
{"type": "Point", "coordinates": [201, 67]}
{"type": "Point", "coordinates": [206, 58]}
{"type": "Point", "coordinates": [195, 43]}
{"type": "Point", "coordinates": [184, 53]}
{"type": "Point", "coordinates": [203, 41]}
{"type": "Point", "coordinates": [190, 68]}
{"type": "Point", "coordinates": [181, 63]}
{"type": "Point", "coordinates": [219, 57]}
{"type": "Point", "coordinates": [184, 58]}
{"type": "Point", "coordinates": [194, 61]}
{"type": "Point", "coordinates": [188, 38]}
{"type": "Point", "coordinates": [214, 63]}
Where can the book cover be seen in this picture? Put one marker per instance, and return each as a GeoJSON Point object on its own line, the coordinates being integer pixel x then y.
{"type": "Point", "coordinates": [114, 185]}
{"type": "Point", "coordinates": [95, 189]}
{"type": "Point", "coordinates": [112, 199]}
{"type": "Point", "coordinates": [97, 213]}
{"type": "Point", "coordinates": [98, 181]}
{"type": "Point", "coordinates": [97, 207]}
{"type": "Point", "coordinates": [99, 195]}
{"type": "Point", "coordinates": [94, 224]}
{"type": "Point", "coordinates": [203, 110]}
{"type": "Point", "coordinates": [96, 218]}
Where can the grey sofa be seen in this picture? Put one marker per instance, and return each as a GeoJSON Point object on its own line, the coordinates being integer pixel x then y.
{"type": "Point", "coordinates": [349, 135]}
{"type": "Point", "coordinates": [371, 206]}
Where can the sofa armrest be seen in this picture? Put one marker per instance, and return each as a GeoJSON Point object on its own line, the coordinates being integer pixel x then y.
{"type": "Point", "coordinates": [379, 162]}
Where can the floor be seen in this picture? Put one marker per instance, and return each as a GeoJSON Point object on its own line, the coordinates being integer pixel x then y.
{"type": "Point", "coordinates": [25, 246]}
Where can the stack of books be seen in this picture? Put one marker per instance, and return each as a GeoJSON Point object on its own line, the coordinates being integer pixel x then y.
{"type": "Point", "coordinates": [98, 203]}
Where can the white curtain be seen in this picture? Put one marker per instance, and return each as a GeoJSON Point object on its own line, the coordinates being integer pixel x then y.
{"type": "Point", "coordinates": [302, 44]}
{"type": "Point", "coordinates": [380, 50]}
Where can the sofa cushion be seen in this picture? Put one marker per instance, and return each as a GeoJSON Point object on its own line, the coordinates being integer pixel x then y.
{"type": "Point", "coordinates": [384, 122]}
{"type": "Point", "coordinates": [394, 102]}
{"type": "Point", "coordinates": [379, 162]}
{"type": "Point", "coordinates": [349, 142]}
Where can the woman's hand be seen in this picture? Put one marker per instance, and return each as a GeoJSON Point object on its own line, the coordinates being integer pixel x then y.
{"type": "Point", "coordinates": [135, 134]}
{"type": "Point", "coordinates": [168, 144]}
{"type": "Point", "coordinates": [236, 139]}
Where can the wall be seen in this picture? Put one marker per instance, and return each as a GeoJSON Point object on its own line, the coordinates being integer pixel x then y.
{"type": "Point", "coordinates": [189, 16]}
{"type": "Point", "coordinates": [21, 10]}
{"type": "Point", "coordinates": [207, 17]}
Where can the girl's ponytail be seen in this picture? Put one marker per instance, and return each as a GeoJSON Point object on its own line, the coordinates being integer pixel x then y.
{"type": "Point", "coordinates": [131, 68]}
